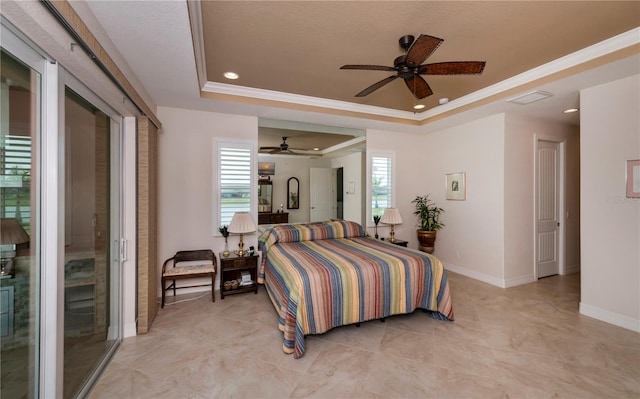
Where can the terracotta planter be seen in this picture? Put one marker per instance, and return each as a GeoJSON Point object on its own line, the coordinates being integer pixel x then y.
{"type": "Point", "coordinates": [427, 240]}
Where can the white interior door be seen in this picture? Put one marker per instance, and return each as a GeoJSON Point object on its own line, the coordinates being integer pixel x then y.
{"type": "Point", "coordinates": [547, 208]}
{"type": "Point", "coordinates": [322, 196]}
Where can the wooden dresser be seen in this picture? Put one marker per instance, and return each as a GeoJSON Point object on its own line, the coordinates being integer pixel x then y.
{"type": "Point", "coordinates": [273, 218]}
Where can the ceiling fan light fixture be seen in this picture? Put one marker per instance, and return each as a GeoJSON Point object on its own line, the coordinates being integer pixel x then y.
{"type": "Point", "coordinates": [231, 75]}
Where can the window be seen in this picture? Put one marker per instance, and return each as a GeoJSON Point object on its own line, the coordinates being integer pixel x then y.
{"type": "Point", "coordinates": [381, 183]}
{"type": "Point", "coordinates": [235, 177]}
{"type": "Point", "coordinates": [15, 166]}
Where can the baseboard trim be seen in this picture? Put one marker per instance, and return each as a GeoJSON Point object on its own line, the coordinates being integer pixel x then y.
{"type": "Point", "coordinates": [486, 278]}
{"type": "Point", "coordinates": [610, 317]}
{"type": "Point", "coordinates": [526, 279]}
{"type": "Point", "coordinates": [573, 269]}
{"type": "Point", "coordinates": [130, 330]}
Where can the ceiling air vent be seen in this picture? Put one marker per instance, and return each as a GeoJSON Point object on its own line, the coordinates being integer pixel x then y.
{"type": "Point", "coordinates": [530, 97]}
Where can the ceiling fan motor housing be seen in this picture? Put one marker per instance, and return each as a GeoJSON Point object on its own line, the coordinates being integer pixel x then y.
{"type": "Point", "coordinates": [404, 71]}
{"type": "Point", "coordinates": [406, 41]}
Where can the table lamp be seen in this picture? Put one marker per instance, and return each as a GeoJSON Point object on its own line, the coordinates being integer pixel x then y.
{"type": "Point", "coordinates": [241, 223]}
{"type": "Point", "coordinates": [391, 216]}
{"type": "Point", "coordinates": [11, 233]}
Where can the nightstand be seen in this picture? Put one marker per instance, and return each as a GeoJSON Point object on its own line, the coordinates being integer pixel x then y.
{"type": "Point", "coordinates": [402, 243]}
{"type": "Point", "coordinates": [231, 268]}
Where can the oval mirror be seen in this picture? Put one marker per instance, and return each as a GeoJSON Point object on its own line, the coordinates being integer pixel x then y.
{"type": "Point", "coordinates": [293, 191]}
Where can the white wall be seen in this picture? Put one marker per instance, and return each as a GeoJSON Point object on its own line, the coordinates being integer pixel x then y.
{"type": "Point", "coordinates": [520, 134]}
{"type": "Point", "coordinates": [472, 243]}
{"type": "Point", "coordinates": [293, 166]}
{"type": "Point", "coordinates": [185, 178]}
{"type": "Point", "coordinates": [610, 233]}
{"type": "Point", "coordinates": [411, 162]}
{"type": "Point", "coordinates": [353, 171]}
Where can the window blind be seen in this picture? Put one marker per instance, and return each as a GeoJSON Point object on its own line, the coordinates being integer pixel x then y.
{"type": "Point", "coordinates": [380, 185]}
{"type": "Point", "coordinates": [235, 182]}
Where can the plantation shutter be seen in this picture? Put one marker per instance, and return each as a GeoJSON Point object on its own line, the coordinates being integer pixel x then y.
{"type": "Point", "coordinates": [235, 181]}
{"type": "Point", "coordinates": [381, 184]}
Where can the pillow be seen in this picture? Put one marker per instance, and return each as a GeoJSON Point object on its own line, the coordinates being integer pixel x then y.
{"type": "Point", "coordinates": [309, 232]}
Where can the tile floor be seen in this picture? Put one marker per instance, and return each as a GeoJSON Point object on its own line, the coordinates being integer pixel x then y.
{"type": "Point", "coordinates": [522, 342]}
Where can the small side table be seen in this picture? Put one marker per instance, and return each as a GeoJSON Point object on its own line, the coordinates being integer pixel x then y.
{"type": "Point", "coordinates": [231, 268]}
{"type": "Point", "coordinates": [402, 243]}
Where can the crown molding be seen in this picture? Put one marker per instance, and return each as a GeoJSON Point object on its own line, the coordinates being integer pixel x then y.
{"type": "Point", "coordinates": [589, 54]}
{"type": "Point", "coordinates": [314, 102]}
{"type": "Point", "coordinates": [197, 36]}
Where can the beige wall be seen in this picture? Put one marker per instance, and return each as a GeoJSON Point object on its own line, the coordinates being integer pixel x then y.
{"type": "Point", "coordinates": [610, 233]}
{"type": "Point", "coordinates": [185, 184]}
{"type": "Point", "coordinates": [472, 242]}
{"type": "Point", "coordinates": [411, 162]}
{"type": "Point", "coordinates": [520, 135]}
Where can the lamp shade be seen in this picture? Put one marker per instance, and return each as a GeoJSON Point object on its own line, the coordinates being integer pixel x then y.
{"type": "Point", "coordinates": [11, 232]}
{"type": "Point", "coordinates": [391, 216]}
{"type": "Point", "coordinates": [242, 223]}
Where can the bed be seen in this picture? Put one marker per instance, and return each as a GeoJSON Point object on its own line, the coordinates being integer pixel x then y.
{"type": "Point", "coordinates": [324, 275]}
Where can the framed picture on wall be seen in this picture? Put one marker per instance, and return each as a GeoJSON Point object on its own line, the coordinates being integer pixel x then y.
{"type": "Point", "coordinates": [456, 186]}
{"type": "Point", "coordinates": [633, 178]}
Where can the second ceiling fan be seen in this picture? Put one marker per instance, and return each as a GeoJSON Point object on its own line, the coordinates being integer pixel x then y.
{"type": "Point", "coordinates": [410, 66]}
{"type": "Point", "coordinates": [282, 148]}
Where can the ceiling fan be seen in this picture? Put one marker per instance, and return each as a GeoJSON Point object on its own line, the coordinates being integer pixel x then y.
{"type": "Point", "coordinates": [410, 66]}
{"type": "Point", "coordinates": [282, 148]}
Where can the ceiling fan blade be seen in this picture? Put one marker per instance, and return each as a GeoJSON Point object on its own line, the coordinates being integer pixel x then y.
{"type": "Point", "coordinates": [268, 148]}
{"type": "Point", "coordinates": [376, 86]}
{"type": "Point", "coordinates": [275, 151]}
{"type": "Point", "coordinates": [452, 68]}
{"type": "Point", "coordinates": [369, 67]}
{"type": "Point", "coordinates": [421, 49]}
{"type": "Point", "coordinates": [419, 87]}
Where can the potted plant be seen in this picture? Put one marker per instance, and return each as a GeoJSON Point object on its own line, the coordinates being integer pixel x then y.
{"type": "Point", "coordinates": [224, 230]}
{"type": "Point", "coordinates": [429, 214]}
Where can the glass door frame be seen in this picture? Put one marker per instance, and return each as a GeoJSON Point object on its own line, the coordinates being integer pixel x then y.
{"type": "Point", "coordinates": [116, 202]}
{"type": "Point", "coordinates": [44, 334]}
{"type": "Point", "coordinates": [48, 360]}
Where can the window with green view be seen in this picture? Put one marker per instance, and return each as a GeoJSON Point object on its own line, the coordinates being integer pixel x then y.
{"type": "Point", "coordinates": [235, 180]}
{"type": "Point", "coordinates": [381, 184]}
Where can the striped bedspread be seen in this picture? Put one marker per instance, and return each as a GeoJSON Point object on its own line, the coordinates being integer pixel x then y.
{"type": "Point", "coordinates": [320, 276]}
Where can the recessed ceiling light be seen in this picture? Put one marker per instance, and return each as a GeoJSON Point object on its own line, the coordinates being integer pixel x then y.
{"type": "Point", "coordinates": [570, 110]}
{"type": "Point", "coordinates": [316, 149]}
{"type": "Point", "coordinates": [443, 100]}
{"type": "Point", "coordinates": [419, 106]}
{"type": "Point", "coordinates": [231, 75]}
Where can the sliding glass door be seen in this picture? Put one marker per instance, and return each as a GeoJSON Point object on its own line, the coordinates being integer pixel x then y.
{"type": "Point", "coordinates": [60, 196]}
{"type": "Point", "coordinates": [19, 209]}
{"type": "Point", "coordinates": [91, 260]}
